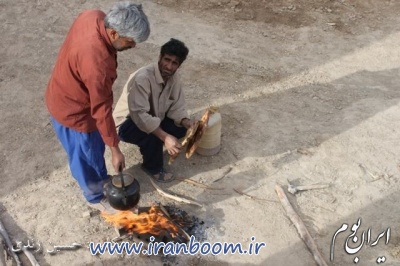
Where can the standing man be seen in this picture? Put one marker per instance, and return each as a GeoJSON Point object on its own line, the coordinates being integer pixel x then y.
{"type": "Point", "coordinates": [157, 113]}
{"type": "Point", "coordinates": [79, 94]}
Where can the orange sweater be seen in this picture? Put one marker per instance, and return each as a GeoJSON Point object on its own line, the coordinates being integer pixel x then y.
{"type": "Point", "coordinates": [79, 94]}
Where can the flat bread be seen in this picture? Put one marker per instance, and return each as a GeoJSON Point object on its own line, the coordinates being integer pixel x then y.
{"type": "Point", "coordinates": [193, 142]}
{"type": "Point", "coordinates": [194, 135]}
{"type": "Point", "coordinates": [189, 134]}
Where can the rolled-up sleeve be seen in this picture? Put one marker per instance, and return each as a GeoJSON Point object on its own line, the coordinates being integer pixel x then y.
{"type": "Point", "coordinates": [139, 104]}
{"type": "Point", "coordinates": [177, 111]}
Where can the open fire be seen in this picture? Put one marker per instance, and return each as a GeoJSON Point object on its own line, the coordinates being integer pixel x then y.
{"type": "Point", "coordinates": [155, 221]}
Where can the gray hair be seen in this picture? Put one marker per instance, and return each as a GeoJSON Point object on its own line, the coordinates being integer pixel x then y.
{"type": "Point", "coordinates": [129, 20]}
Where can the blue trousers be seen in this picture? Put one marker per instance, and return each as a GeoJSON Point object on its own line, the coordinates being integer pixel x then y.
{"type": "Point", "coordinates": [151, 147]}
{"type": "Point", "coordinates": [86, 159]}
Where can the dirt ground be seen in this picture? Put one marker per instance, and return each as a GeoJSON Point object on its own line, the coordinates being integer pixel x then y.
{"type": "Point", "coordinates": [307, 90]}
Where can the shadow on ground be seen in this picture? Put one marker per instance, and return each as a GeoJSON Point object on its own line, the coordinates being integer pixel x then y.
{"type": "Point", "coordinates": [296, 120]}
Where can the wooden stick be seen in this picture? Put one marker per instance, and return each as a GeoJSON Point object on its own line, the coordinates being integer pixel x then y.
{"type": "Point", "coordinates": [193, 182]}
{"type": "Point", "coordinates": [251, 197]}
{"type": "Point", "coordinates": [164, 211]}
{"type": "Point", "coordinates": [225, 174]}
{"type": "Point", "coordinates": [9, 245]}
{"type": "Point", "coordinates": [294, 189]}
{"type": "Point", "coordinates": [301, 228]}
{"type": "Point", "coordinates": [174, 197]}
{"type": "Point", "coordinates": [309, 187]}
{"type": "Point", "coordinates": [2, 258]}
{"type": "Point", "coordinates": [28, 254]}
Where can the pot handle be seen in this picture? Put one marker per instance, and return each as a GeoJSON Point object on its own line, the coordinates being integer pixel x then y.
{"type": "Point", "coordinates": [121, 176]}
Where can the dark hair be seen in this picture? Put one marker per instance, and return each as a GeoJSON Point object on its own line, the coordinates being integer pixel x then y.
{"type": "Point", "coordinates": [175, 47]}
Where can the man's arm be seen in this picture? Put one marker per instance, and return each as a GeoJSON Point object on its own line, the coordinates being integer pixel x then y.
{"type": "Point", "coordinates": [98, 75]}
{"type": "Point", "coordinates": [177, 111]}
{"type": "Point", "coordinates": [139, 97]}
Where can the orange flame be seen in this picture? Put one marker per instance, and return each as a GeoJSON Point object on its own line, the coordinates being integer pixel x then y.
{"type": "Point", "coordinates": [154, 222]}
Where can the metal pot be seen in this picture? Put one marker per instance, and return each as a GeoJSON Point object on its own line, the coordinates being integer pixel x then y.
{"type": "Point", "coordinates": [123, 192]}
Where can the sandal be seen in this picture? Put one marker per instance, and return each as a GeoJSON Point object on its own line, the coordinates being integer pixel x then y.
{"type": "Point", "coordinates": [161, 176]}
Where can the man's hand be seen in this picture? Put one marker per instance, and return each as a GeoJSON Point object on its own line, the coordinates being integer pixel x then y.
{"type": "Point", "coordinates": [172, 145]}
{"type": "Point", "coordinates": [187, 123]}
{"type": "Point", "coordinates": [117, 159]}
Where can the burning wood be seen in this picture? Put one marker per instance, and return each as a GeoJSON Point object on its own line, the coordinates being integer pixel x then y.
{"type": "Point", "coordinates": [154, 222]}
{"type": "Point", "coordinates": [190, 224]}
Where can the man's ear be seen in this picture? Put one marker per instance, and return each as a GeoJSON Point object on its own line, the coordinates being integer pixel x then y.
{"type": "Point", "coordinates": [113, 35]}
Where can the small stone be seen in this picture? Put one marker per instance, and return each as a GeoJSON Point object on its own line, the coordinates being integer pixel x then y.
{"type": "Point", "coordinates": [86, 214]}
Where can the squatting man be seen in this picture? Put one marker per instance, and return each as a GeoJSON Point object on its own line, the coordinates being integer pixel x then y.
{"type": "Point", "coordinates": [153, 111]}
